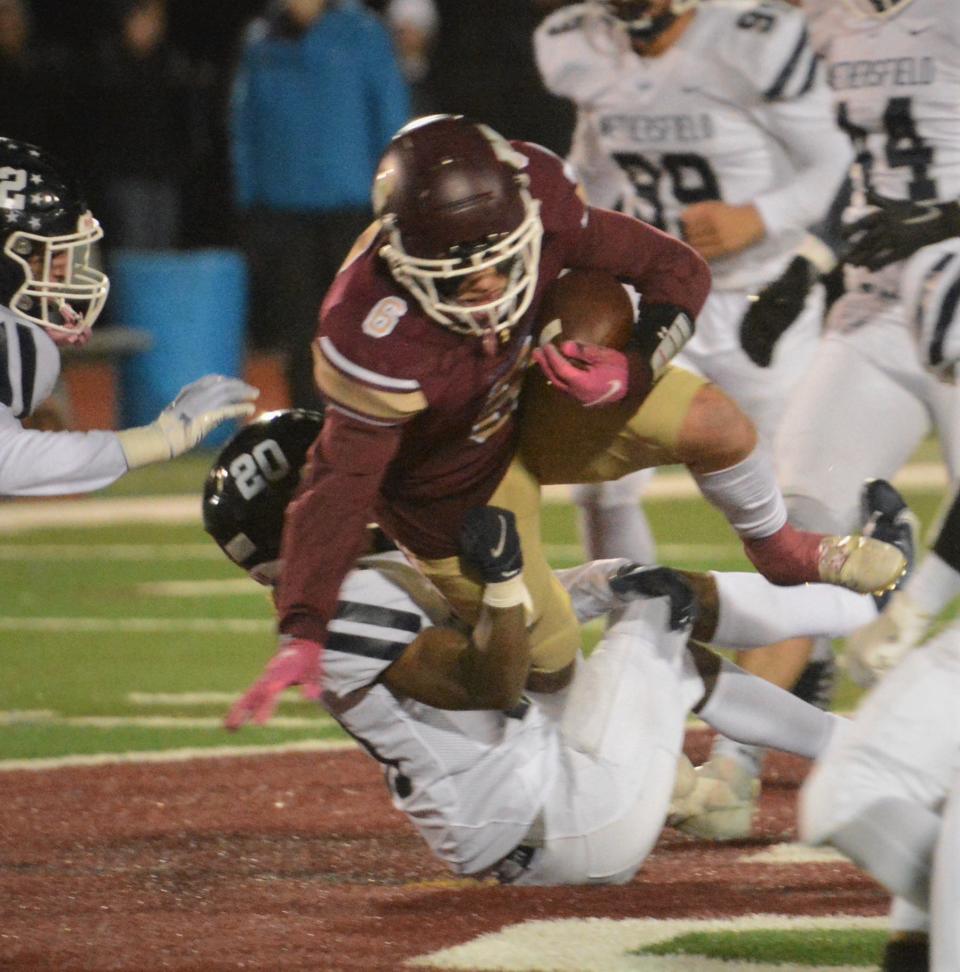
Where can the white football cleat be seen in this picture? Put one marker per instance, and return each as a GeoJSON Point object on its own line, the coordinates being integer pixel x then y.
{"type": "Point", "coordinates": [871, 651]}
{"type": "Point", "coordinates": [862, 564]}
{"type": "Point", "coordinates": [722, 803]}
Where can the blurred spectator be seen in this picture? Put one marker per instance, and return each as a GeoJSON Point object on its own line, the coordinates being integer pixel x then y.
{"type": "Point", "coordinates": [318, 93]}
{"type": "Point", "coordinates": [149, 126]}
{"type": "Point", "coordinates": [482, 66]}
{"type": "Point", "coordinates": [414, 27]}
{"type": "Point", "coordinates": [39, 90]}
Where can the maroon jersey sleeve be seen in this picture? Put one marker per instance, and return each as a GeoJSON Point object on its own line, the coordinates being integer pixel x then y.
{"type": "Point", "coordinates": [663, 269]}
{"type": "Point", "coordinates": [325, 525]}
{"type": "Point", "coordinates": [370, 381]}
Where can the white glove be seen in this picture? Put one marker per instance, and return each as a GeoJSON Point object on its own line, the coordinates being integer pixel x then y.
{"type": "Point", "coordinates": [199, 408]}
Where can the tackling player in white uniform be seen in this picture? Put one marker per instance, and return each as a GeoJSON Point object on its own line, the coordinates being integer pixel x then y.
{"type": "Point", "coordinates": [572, 787]}
{"type": "Point", "coordinates": [894, 68]}
{"type": "Point", "coordinates": [50, 295]}
{"type": "Point", "coordinates": [713, 122]}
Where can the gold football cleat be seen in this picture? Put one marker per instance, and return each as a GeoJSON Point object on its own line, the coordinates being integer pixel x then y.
{"type": "Point", "coordinates": [862, 564]}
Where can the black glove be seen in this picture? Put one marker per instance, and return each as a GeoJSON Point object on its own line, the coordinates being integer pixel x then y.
{"type": "Point", "coordinates": [774, 309]}
{"type": "Point", "coordinates": [660, 333]}
{"type": "Point", "coordinates": [897, 229]}
{"type": "Point", "coordinates": [490, 543]}
{"type": "Point", "coordinates": [631, 582]}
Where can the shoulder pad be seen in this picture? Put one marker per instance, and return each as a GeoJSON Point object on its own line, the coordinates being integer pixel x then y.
{"type": "Point", "coordinates": [769, 43]}
{"type": "Point", "coordinates": [29, 365]}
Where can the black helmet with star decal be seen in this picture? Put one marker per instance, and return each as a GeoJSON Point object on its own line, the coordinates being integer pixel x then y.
{"type": "Point", "coordinates": [47, 272]}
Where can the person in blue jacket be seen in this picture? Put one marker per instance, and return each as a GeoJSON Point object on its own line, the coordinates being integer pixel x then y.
{"type": "Point", "coordinates": [317, 94]}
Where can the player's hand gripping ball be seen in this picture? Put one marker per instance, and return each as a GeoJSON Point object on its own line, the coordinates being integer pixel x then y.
{"type": "Point", "coordinates": [586, 319]}
{"type": "Point", "coordinates": [590, 306]}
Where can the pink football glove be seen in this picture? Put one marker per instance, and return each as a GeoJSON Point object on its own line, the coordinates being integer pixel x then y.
{"type": "Point", "coordinates": [592, 374]}
{"type": "Point", "coordinates": [297, 662]}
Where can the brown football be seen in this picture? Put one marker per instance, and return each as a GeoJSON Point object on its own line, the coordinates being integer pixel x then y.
{"type": "Point", "coordinates": [591, 306]}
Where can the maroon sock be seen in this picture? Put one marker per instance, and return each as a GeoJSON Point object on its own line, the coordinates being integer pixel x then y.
{"type": "Point", "coordinates": [789, 556]}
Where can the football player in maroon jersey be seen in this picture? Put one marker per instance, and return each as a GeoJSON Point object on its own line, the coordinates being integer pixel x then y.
{"type": "Point", "coordinates": [425, 341]}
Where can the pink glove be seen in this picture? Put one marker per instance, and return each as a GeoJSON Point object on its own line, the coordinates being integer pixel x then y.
{"type": "Point", "coordinates": [590, 373]}
{"type": "Point", "coordinates": [297, 662]}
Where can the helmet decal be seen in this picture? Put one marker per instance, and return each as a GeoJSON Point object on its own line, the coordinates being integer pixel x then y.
{"type": "Point", "coordinates": [251, 482]}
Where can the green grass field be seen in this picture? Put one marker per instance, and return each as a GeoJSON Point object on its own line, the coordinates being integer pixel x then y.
{"type": "Point", "coordinates": [136, 636]}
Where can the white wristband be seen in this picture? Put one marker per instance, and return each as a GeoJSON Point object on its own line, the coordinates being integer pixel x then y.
{"type": "Point", "coordinates": [508, 594]}
{"type": "Point", "coordinates": [812, 248]}
{"type": "Point", "coordinates": [143, 445]}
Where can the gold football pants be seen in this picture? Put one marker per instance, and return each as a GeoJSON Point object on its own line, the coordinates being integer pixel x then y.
{"type": "Point", "coordinates": [563, 442]}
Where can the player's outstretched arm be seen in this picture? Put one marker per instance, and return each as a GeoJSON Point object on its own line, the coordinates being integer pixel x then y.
{"type": "Point", "coordinates": [296, 662]}
{"type": "Point", "coordinates": [199, 408]}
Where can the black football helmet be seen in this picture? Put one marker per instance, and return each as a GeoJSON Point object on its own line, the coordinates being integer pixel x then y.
{"type": "Point", "coordinates": [250, 484]}
{"type": "Point", "coordinates": [452, 199]}
{"type": "Point", "coordinates": [638, 18]}
{"type": "Point", "coordinates": [46, 271]}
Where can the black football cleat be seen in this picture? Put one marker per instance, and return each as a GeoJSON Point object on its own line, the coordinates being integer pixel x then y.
{"type": "Point", "coordinates": [886, 516]}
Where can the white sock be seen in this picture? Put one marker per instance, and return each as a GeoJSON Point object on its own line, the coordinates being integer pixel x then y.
{"type": "Point", "coordinates": [747, 494]}
{"type": "Point", "coordinates": [751, 710]}
{"type": "Point", "coordinates": [905, 917]}
{"type": "Point", "coordinates": [754, 612]}
{"type": "Point", "coordinates": [749, 757]}
{"type": "Point", "coordinates": [933, 585]}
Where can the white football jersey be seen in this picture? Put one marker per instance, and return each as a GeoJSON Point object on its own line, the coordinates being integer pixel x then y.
{"type": "Point", "coordinates": [736, 110]}
{"type": "Point", "coordinates": [896, 85]}
{"type": "Point", "coordinates": [34, 463]}
{"type": "Point", "coordinates": [472, 782]}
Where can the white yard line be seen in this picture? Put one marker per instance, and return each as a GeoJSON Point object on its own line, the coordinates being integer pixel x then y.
{"type": "Point", "coordinates": [180, 698]}
{"type": "Point", "coordinates": [235, 587]}
{"type": "Point", "coordinates": [610, 944]}
{"type": "Point", "coordinates": [17, 516]}
{"type": "Point", "coordinates": [146, 552]}
{"type": "Point", "coordinates": [46, 717]}
{"type": "Point", "coordinates": [230, 626]}
{"type": "Point", "coordinates": [175, 755]}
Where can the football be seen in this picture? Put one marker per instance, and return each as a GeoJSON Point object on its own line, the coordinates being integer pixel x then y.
{"type": "Point", "coordinates": [591, 306]}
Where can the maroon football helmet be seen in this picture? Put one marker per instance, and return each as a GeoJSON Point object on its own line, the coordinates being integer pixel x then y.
{"type": "Point", "coordinates": [452, 199]}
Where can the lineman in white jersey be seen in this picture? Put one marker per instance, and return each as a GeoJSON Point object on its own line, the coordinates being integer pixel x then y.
{"type": "Point", "coordinates": [715, 125]}
{"type": "Point", "coordinates": [50, 295]}
{"type": "Point", "coordinates": [713, 122]}
{"type": "Point", "coordinates": [889, 796]}
{"type": "Point", "coordinates": [894, 69]}
{"type": "Point", "coordinates": [568, 788]}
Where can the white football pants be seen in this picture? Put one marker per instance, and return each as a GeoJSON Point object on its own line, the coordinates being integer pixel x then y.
{"type": "Point", "coordinates": [622, 734]}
